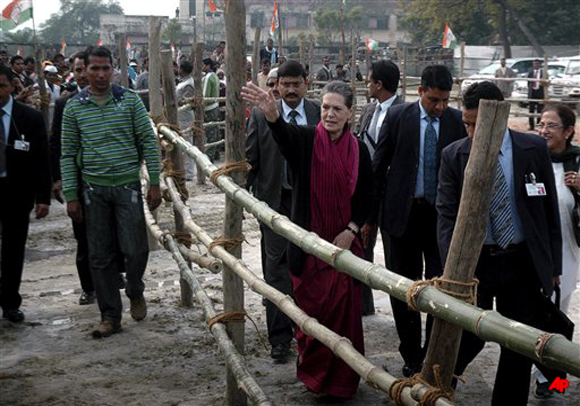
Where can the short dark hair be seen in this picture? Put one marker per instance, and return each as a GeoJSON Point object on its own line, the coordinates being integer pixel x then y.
{"type": "Point", "coordinates": [82, 55]}
{"type": "Point", "coordinates": [186, 66]}
{"type": "Point", "coordinates": [291, 69]}
{"type": "Point", "coordinates": [339, 65]}
{"type": "Point", "coordinates": [14, 58]}
{"type": "Point", "coordinates": [29, 59]}
{"type": "Point", "coordinates": [265, 60]}
{"type": "Point", "coordinates": [6, 71]}
{"type": "Point", "coordinates": [387, 73]}
{"type": "Point", "coordinates": [436, 76]}
{"type": "Point", "coordinates": [341, 88]}
{"type": "Point", "coordinates": [480, 91]}
{"type": "Point", "coordinates": [101, 52]}
{"type": "Point", "coordinates": [567, 116]}
{"type": "Point", "coordinates": [57, 56]}
{"type": "Point", "coordinates": [209, 61]}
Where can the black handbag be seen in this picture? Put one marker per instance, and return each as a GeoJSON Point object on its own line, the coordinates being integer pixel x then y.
{"type": "Point", "coordinates": [555, 321]}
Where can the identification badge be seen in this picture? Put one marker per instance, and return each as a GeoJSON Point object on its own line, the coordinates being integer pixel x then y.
{"type": "Point", "coordinates": [536, 189]}
{"type": "Point", "coordinates": [20, 145]}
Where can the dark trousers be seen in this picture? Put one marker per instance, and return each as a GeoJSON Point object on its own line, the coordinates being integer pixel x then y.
{"type": "Point", "coordinates": [512, 280]}
{"type": "Point", "coordinates": [405, 256]}
{"type": "Point", "coordinates": [14, 220]}
{"type": "Point", "coordinates": [115, 221]}
{"type": "Point", "coordinates": [277, 275]}
{"type": "Point", "coordinates": [535, 107]}
{"type": "Point", "coordinates": [368, 302]}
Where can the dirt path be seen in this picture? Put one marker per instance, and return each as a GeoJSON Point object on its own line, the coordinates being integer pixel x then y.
{"type": "Point", "coordinates": [170, 358]}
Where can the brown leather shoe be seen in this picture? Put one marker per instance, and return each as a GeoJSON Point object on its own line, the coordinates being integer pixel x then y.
{"type": "Point", "coordinates": [138, 308]}
{"type": "Point", "coordinates": [106, 328]}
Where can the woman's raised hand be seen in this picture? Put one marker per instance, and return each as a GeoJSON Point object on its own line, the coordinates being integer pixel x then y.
{"type": "Point", "coordinates": [263, 100]}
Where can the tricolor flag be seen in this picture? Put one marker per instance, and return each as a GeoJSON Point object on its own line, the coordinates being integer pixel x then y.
{"type": "Point", "coordinates": [372, 45]}
{"type": "Point", "coordinates": [275, 20]}
{"type": "Point", "coordinates": [212, 6]}
{"type": "Point", "coordinates": [16, 13]}
{"type": "Point", "coordinates": [99, 42]}
{"type": "Point", "coordinates": [20, 52]}
{"type": "Point", "coordinates": [63, 47]}
{"type": "Point", "coordinates": [172, 47]}
{"type": "Point", "coordinates": [449, 40]}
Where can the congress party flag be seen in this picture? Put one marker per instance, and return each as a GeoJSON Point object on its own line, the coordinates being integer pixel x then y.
{"type": "Point", "coordinates": [63, 47]}
{"type": "Point", "coordinates": [449, 40]}
{"type": "Point", "coordinates": [212, 6]}
{"type": "Point", "coordinates": [15, 13]}
{"type": "Point", "coordinates": [275, 20]}
{"type": "Point", "coordinates": [372, 45]}
{"type": "Point", "coordinates": [99, 42]}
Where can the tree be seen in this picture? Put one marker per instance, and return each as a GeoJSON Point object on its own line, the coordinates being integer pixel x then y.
{"type": "Point", "coordinates": [328, 23]}
{"type": "Point", "coordinates": [24, 36]}
{"type": "Point", "coordinates": [77, 22]}
{"type": "Point", "coordinates": [484, 22]}
{"type": "Point", "coordinates": [173, 31]}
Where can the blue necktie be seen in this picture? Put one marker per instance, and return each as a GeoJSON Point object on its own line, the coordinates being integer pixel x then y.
{"type": "Point", "coordinates": [430, 162]}
{"type": "Point", "coordinates": [500, 215]}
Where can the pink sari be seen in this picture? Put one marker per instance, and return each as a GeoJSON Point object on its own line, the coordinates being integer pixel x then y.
{"type": "Point", "coordinates": [331, 297]}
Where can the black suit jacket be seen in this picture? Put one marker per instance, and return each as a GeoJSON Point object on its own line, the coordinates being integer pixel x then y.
{"type": "Point", "coordinates": [262, 152]}
{"type": "Point", "coordinates": [28, 172]}
{"type": "Point", "coordinates": [539, 216]}
{"type": "Point", "coordinates": [396, 161]}
{"type": "Point", "coordinates": [55, 145]}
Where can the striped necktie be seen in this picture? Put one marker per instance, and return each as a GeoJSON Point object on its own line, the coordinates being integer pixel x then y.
{"type": "Point", "coordinates": [430, 162]}
{"type": "Point", "coordinates": [500, 215]}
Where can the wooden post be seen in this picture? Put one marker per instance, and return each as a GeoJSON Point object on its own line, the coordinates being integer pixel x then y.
{"type": "Point", "coordinates": [469, 233]}
{"type": "Point", "coordinates": [301, 52]}
{"type": "Point", "coordinates": [545, 77]}
{"type": "Point", "coordinates": [154, 86]}
{"type": "Point", "coordinates": [256, 56]}
{"type": "Point", "coordinates": [176, 155]}
{"type": "Point", "coordinates": [343, 45]}
{"type": "Point", "coordinates": [461, 73]}
{"type": "Point", "coordinates": [199, 137]}
{"type": "Point", "coordinates": [233, 286]}
{"type": "Point", "coordinates": [403, 68]}
{"type": "Point", "coordinates": [310, 62]}
{"type": "Point", "coordinates": [42, 89]}
{"type": "Point", "coordinates": [122, 41]}
{"type": "Point", "coordinates": [353, 80]}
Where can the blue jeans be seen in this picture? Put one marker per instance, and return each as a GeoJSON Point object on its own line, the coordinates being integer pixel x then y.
{"type": "Point", "coordinates": [115, 221]}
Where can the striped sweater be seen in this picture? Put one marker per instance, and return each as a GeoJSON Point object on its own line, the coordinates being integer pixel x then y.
{"type": "Point", "coordinates": [106, 144]}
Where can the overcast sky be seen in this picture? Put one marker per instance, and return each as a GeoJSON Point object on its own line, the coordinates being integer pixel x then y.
{"type": "Point", "coordinates": [44, 8]}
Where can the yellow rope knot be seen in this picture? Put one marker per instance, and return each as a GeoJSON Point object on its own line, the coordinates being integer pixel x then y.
{"type": "Point", "coordinates": [227, 243]}
{"type": "Point", "coordinates": [438, 283]}
{"type": "Point", "coordinates": [235, 316]}
{"type": "Point", "coordinates": [242, 166]}
{"type": "Point", "coordinates": [431, 395]}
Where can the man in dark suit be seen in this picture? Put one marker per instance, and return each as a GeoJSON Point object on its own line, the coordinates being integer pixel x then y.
{"type": "Point", "coordinates": [383, 83]}
{"type": "Point", "coordinates": [24, 184]}
{"type": "Point", "coordinates": [535, 91]}
{"type": "Point", "coordinates": [522, 252]}
{"type": "Point", "coordinates": [270, 181]}
{"type": "Point", "coordinates": [405, 167]}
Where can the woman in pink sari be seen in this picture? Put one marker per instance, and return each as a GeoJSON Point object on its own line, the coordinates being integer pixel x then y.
{"type": "Point", "coordinates": [331, 177]}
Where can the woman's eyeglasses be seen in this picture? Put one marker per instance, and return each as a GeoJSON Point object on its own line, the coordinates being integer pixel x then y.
{"type": "Point", "coordinates": [549, 127]}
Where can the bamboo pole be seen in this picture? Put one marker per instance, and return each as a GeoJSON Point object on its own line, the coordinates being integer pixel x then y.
{"type": "Point", "coordinates": [256, 55]}
{"type": "Point", "coordinates": [234, 360]}
{"type": "Point", "coordinates": [122, 43]}
{"type": "Point", "coordinates": [343, 44]}
{"type": "Point", "coordinates": [176, 156]}
{"type": "Point", "coordinates": [546, 83]}
{"type": "Point", "coordinates": [559, 352]}
{"type": "Point", "coordinates": [211, 264]}
{"type": "Point", "coordinates": [469, 232]}
{"type": "Point", "coordinates": [44, 105]}
{"type": "Point", "coordinates": [461, 71]}
{"type": "Point", "coordinates": [235, 17]}
{"type": "Point", "coordinates": [199, 137]}
{"type": "Point", "coordinates": [353, 80]}
{"type": "Point", "coordinates": [310, 62]}
{"type": "Point", "coordinates": [301, 52]}
{"type": "Point", "coordinates": [373, 375]}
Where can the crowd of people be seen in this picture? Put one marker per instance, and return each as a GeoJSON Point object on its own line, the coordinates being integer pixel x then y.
{"type": "Point", "coordinates": [399, 170]}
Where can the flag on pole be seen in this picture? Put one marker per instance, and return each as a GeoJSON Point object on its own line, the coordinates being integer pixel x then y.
{"type": "Point", "coordinates": [20, 52]}
{"type": "Point", "coordinates": [372, 45]}
{"type": "Point", "coordinates": [212, 6]}
{"type": "Point", "coordinates": [172, 47]}
{"type": "Point", "coordinates": [99, 42]}
{"type": "Point", "coordinates": [63, 47]}
{"type": "Point", "coordinates": [15, 13]}
{"type": "Point", "coordinates": [275, 20]}
{"type": "Point", "coordinates": [449, 40]}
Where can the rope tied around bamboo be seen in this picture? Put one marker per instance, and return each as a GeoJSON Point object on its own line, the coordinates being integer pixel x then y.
{"type": "Point", "coordinates": [236, 316]}
{"type": "Point", "coordinates": [242, 166]}
{"type": "Point", "coordinates": [542, 343]}
{"type": "Point", "coordinates": [431, 395]}
{"type": "Point", "coordinates": [179, 178]}
{"type": "Point", "coordinates": [437, 282]}
{"type": "Point", "coordinates": [228, 243]}
{"type": "Point", "coordinates": [181, 237]}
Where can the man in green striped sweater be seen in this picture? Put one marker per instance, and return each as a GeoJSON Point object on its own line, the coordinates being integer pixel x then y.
{"type": "Point", "coordinates": [106, 134]}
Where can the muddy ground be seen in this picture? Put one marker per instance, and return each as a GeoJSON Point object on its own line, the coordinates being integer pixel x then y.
{"type": "Point", "coordinates": [171, 358]}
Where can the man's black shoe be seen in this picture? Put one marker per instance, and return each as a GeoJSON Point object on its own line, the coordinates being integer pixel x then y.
{"type": "Point", "coordinates": [543, 390]}
{"type": "Point", "coordinates": [87, 298]}
{"type": "Point", "coordinates": [122, 281]}
{"type": "Point", "coordinates": [280, 353]}
{"type": "Point", "coordinates": [411, 369]}
{"type": "Point", "coordinates": [14, 315]}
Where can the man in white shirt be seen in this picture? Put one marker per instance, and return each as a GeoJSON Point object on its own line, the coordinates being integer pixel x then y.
{"type": "Point", "coordinates": [383, 83]}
